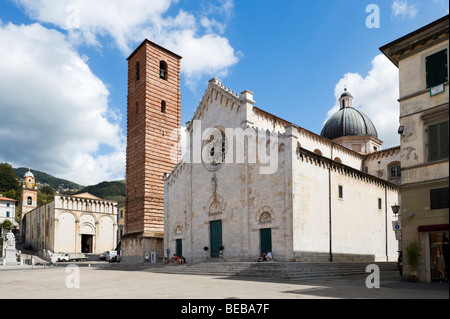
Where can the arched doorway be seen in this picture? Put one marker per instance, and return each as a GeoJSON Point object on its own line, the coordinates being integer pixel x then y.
{"type": "Point", "coordinates": [87, 238]}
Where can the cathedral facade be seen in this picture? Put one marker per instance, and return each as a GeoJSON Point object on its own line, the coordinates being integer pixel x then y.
{"type": "Point", "coordinates": [251, 182]}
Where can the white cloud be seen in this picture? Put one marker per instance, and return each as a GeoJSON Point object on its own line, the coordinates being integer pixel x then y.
{"type": "Point", "coordinates": [402, 8]}
{"type": "Point", "coordinates": [198, 39]}
{"type": "Point", "coordinates": [375, 95]}
{"type": "Point", "coordinates": [117, 18]}
{"type": "Point", "coordinates": [54, 110]}
{"type": "Point", "coordinates": [209, 54]}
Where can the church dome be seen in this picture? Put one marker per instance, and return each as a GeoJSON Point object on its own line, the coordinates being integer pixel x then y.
{"type": "Point", "coordinates": [346, 93]}
{"type": "Point", "coordinates": [348, 122]}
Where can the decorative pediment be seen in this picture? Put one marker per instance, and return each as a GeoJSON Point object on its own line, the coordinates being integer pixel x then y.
{"type": "Point", "coordinates": [178, 230]}
{"type": "Point", "coordinates": [265, 215]}
{"type": "Point", "coordinates": [216, 205]}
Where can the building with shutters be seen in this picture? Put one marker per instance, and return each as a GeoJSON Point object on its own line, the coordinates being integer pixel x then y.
{"type": "Point", "coordinates": [422, 59]}
{"type": "Point", "coordinates": [8, 210]}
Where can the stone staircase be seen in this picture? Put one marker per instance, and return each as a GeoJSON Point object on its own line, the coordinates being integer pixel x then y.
{"type": "Point", "coordinates": [273, 270]}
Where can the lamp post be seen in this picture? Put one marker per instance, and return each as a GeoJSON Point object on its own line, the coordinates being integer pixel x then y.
{"type": "Point", "coordinates": [395, 209]}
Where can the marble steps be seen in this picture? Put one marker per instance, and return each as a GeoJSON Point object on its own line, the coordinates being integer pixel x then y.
{"type": "Point", "coordinates": [274, 270]}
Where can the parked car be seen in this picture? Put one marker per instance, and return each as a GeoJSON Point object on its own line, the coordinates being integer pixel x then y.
{"type": "Point", "coordinates": [115, 259]}
{"type": "Point", "coordinates": [110, 254]}
{"type": "Point", "coordinates": [103, 256]}
{"type": "Point", "coordinates": [72, 257]}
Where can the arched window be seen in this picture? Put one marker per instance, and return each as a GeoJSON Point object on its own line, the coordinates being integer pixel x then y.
{"type": "Point", "coordinates": [138, 71]}
{"type": "Point", "coordinates": [163, 70]}
{"type": "Point", "coordinates": [337, 159]}
{"type": "Point", "coordinates": [163, 106]}
{"type": "Point", "coordinates": [395, 171]}
{"type": "Point", "coordinates": [29, 200]}
{"type": "Point", "coordinates": [317, 151]}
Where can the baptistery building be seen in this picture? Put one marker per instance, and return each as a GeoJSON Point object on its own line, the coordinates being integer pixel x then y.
{"type": "Point", "coordinates": [80, 223]}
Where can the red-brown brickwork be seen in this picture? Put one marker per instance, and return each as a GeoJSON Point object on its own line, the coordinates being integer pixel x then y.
{"type": "Point", "coordinates": [150, 138]}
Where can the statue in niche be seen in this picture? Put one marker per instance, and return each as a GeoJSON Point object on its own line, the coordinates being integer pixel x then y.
{"type": "Point", "coordinates": [216, 206]}
{"type": "Point", "coordinates": [214, 184]}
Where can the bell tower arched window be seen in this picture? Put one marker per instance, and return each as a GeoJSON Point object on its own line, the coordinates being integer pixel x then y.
{"type": "Point", "coordinates": [163, 70]}
{"type": "Point", "coordinates": [138, 71]}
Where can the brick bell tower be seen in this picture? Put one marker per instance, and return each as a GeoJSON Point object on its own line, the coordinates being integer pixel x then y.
{"type": "Point", "coordinates": [153, 146]}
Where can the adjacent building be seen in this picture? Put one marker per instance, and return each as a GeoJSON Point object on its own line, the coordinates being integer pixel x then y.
{"type": "Point", "coordinates": [72, 224]}
{"type": "Point", "coordinates": [68, 224]}
{"type": "Point", "coordinates": [8, 210]}
{"type": "Point", "coordinates": [422, 59]}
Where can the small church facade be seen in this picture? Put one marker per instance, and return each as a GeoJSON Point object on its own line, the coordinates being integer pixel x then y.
{"type": "Point", "coordinates": [70, 224]}
{"type": "Point", "coordinates": [251, 182]}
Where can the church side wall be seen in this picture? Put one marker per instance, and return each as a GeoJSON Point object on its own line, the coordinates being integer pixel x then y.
{"type": "Point", "coordinates": [177, 214]}
{"type": "Point", "coordinates": [311, 207]}
{"type": "Point", "coordinates": [39, 227]}
{"type": "Point", "coordinates": [360, 229]}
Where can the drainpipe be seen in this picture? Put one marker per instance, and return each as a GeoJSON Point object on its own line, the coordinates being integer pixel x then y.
{"type": "Point", "coordinates": [329, 212]}
{"type": "Point", "coordinates": [385, 215]}
{"type": "Point", "coordinates": [329, 205]}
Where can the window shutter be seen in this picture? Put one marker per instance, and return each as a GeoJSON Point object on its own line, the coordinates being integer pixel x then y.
{"type": "Point", "coordinates": [432, 143]}
{"type": "Point", "coordinates": [438, 139]}
{"type": "Point", "coordinates": [443, 140]}
{"type": "Point", "coordinates": [439, 198]}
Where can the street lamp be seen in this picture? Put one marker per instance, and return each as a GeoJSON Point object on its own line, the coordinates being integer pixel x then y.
{"type": "Point", "coordinates": [395, 209]}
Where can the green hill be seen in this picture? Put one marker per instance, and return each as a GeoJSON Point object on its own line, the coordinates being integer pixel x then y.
{"type": "Point", "coordinates": [58, 184]}
{"type": "Point", "coordinates": [106, 190]}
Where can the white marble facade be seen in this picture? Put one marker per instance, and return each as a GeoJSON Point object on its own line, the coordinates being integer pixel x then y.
{"type": "Point", "coordinates": [283, 187]}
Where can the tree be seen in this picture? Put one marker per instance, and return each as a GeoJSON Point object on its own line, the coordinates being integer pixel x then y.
{"type": "Point", "coordinates": [47, 190]}
{"type": "Point", "coordinates": [6, 225]}
{"type": "Point", "coordinates": [8, 179]}
{"type": "Point", "coordinates": [45, 195]}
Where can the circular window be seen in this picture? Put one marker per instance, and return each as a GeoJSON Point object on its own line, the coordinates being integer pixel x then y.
{"type": "Point", "coordinates": [214, 149]}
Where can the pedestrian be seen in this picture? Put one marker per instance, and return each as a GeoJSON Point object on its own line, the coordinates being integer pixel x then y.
{"type": "Point", "coordinates": [263, 257]}
{"type": "Point", "coordinates": [269, 255]}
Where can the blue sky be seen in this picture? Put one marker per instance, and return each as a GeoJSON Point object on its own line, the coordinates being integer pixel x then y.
{"type": "Point", "coordinates": [63, 67]}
